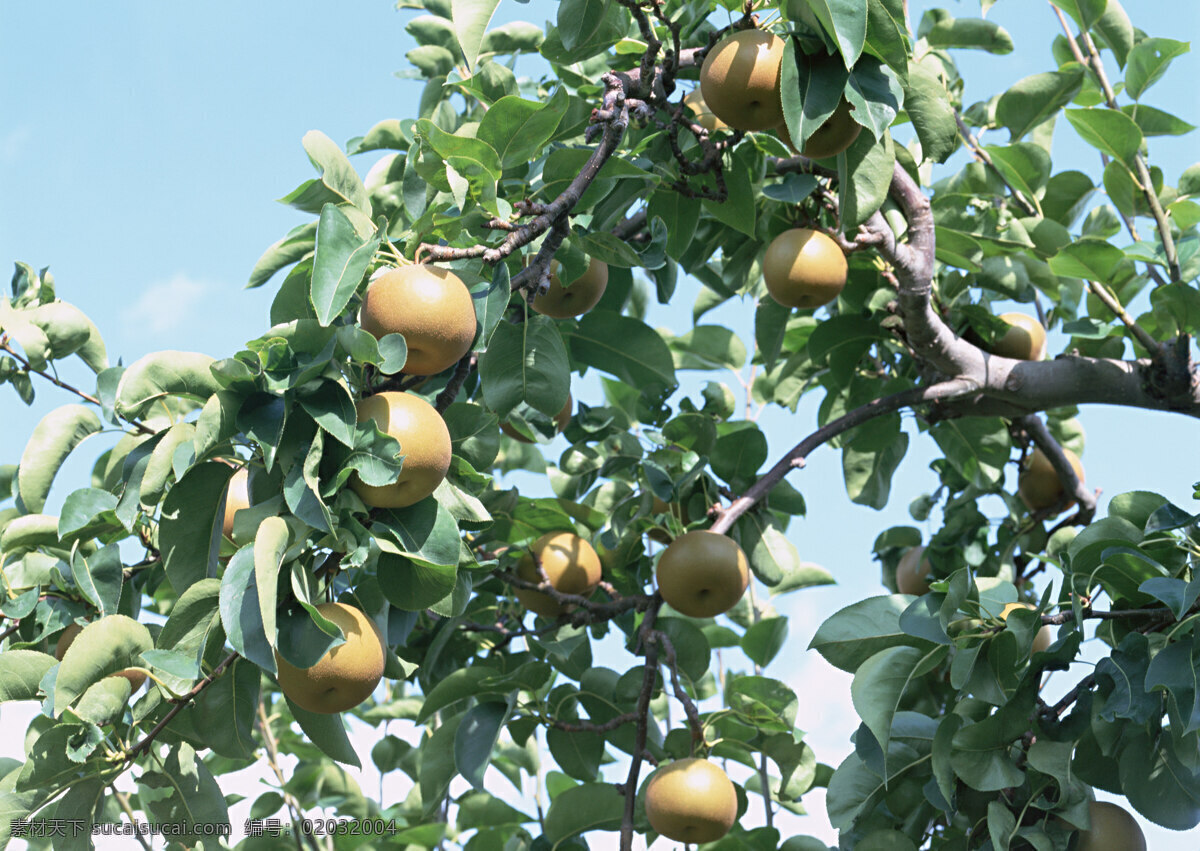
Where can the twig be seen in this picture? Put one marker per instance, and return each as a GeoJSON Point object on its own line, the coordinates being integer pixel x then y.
{"type": "Point", "coordinates": [58, 382]}
{"type": "Point", "coordinates": [796, 457]}
{"type": "Point", "coordinates": [1027, 206]}
{"type": "Point", "coordinates": [294, 811]}
{"type": "Point", "coordinates": [123, 800]}
{"type": "Point", "coordinates": [148, 739]}
{"type": "Point", "coordinates": [1143, 336]}
{"type": "Point", "coordinates": [643, 722]}
{"type": "Point", "coordinates": [446, 398]}
{"type": "Point", "coordinates": [689, 706]}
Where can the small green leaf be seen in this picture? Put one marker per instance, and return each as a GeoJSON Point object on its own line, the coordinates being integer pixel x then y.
{"type": "Point", "coordinates": [53, 439]}
{"type": "Point", "coordinates": [341, 260]}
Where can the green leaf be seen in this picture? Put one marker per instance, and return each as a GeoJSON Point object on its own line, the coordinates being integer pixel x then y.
{"type": "Point", "coordinates": [1109, 131]}
{"type": "Point", "coordinates": [327, 732]}
{"type": "Point", "coordinates": [342, 257]}
{"type": "Point", "coordinates": [854, 634]}
{"type": "Point", "coordinates": [192, 618]}
{"type": "Point", "coordinates": [518, 129]}
{"type": "Point", "coordinates": [624, 347]}
{"type": "Point", "coordinates": [868, 471]}
{"type": "Point", "coordinates": [189, 531]}
{"type": "Point", "coordinates": [161, 374]}
{"type": "Point", "coordinates": [878, 687]}
{"type": "Point", "coordinates": [942, 30]}
{"type": "Point", "coordinates": [53, 439]}
{"type": "Point", "coordinates": [298, 244]}
{"type": "Point", "coordinates": [241, 613]}
{"type": "Point", "coordinates": [188, 797]}
{"type": "Point", "coordinates": [28, 532]}
{"type": "Point", "coordinates": [338, 177]}
{"type": "Point", "coordinates": [474, 433]}
{"type": "Point", "coordinates": [1093, 259]}
{"type": "Point", "coordinates": [471, 19]}
{"type": "Point", "coordinates": [1157, 782]}
{"type": "Point", "coordinates": [66, 327]}
{"type": "Point", "coordinates": [21, 672]}
{"type": "Point", "coordinates": [977, 447]}
{"type": "Point", "coordinates": [866, 173]}
{"type": "Point", "coordinates": [1032, 100]}
{"type": "Point", "coordinates": [763, 702]}
{"type": "Point", "coordinates": [232, 698]}
{"type": "Point", "coordinates": [99, 576]}
{"type": "Point", "coordinates": [437, 763]}
{"type": "Point", "coordinates": [589, 806]}
{"type": "Point", "coordinates": [709, 347]}
{"type": "Point", "coordinates": [104, 647]}
{"type": "Point", "coordinates": [692, 652]}
{"type": "Point", "coordinates": [738, 210]}
{"type": "Point", "coordinates": [464, 153]}
{"type": "Point", "coordinates": [763, 640]}
{"type": "Point", "coordinates": [475, 738]}
{"type": "Point", "coordinates": [1148, 61]}
{"type": "Point", "coordinates": [578, 753]}
{"type": "Point", "coordinates": [525, 363]}
{"type": "Point", "coordinates": [50, 766]}
{"type": "Point", "coordinates": [270, 544]}
{"type": "Point", "coordinates": [846, 23]}
{"type": "Point", "coordinates": [160, 469]}
{"type": "Point", "coordinates": [928, 106]}
{"type": "Point", "coordinates": [771, 555]}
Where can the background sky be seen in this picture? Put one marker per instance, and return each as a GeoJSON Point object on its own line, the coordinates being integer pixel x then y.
{"type": "Point", "coordinates": [142, 145]}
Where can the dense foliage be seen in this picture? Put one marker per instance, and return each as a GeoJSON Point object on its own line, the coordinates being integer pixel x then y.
{"type": "Point", "coordinates": [596, 158]}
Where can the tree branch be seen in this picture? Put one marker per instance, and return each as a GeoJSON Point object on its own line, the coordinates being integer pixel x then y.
{"type": "Point", "coordinates": [643, 721]}
{"type": "Point", "coordinates": [1041, 437]}
{"type": "Point", "coordinates": [148, 739]}
{"type": "Point", "coordinates": [796, 456]}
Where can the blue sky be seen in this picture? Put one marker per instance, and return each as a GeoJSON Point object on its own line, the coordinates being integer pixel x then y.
{"type": "Point", "coordinates": [143, 145]}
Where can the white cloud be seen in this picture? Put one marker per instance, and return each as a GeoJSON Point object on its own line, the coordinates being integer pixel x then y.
{"type": "Point", "coordinates": [166, 305]}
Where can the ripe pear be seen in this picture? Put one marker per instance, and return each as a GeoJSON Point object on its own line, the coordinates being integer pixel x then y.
{"type": "Point", "coordinates": [424, 444]}
{"type": "Point", "coordinates": [561, 420]}
{"type": "Point", "coordinates": [836, 134]}
{"type": "Point", "coordinates": [346, 675]}
{"type": "Point", "coordinates": [237, 497]}
{"type": "Point", "coordinates": [584, 293]}
{"type": "Point", "coordinates": [1038, 484]}
{"type": "Point", "coordinates": [804, 268]}
{"type": "Point", "coordinates": [739, 80]}
{"type": "Point", "coordinates": [1113, 829]}
{"type": "Point", "coordinates": [704, 116]}
{"type": "Point", "coordinates": [1044, 635]}
{"type": "Point", "coordinates": [136, 678]}
{"type": "Point", "coordinates": [912, 572]}
{"type": "Point", "coordinates": [702, 574]}
{"type": "Point", "coordinates": [570, 564]}
{"type": "Point", "coordinates": [691, 800]}
{"type": "Point", "coordinates": [1024, 340]}
{"type": "Point", "coordinates": [430, 306]}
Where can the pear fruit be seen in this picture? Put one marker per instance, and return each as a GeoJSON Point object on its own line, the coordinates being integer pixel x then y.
{"type": "Point", "coordinates": [691, 800]}
{"type": "Point", "coordinates": [694, 101]}
{"type": "Point", "coordinates": [739, 80]}
{"type": "Point", "coordinates": [237, 497]}
{"type": "Point", "coordinates": [804, 268]}
{"type": "Point", "coordinates": [1025, 338]}
{"type": "Point", "coordinates": [584, 293]}
{"type": "Point", "coordinates": [569, 562]}
{"type": "Point", "coordinates": [430, 306]}
{"type": "Point", "coordinates": [702, 574]}
{"type": "Point", "coordinates": [1044, 635]}
{"type": "Point", "coordinates": [424, 444]}
{"type": "Point", "coordinates": [1113, 829]}
{"type": "Point", "coordinates": [836, 134]}
{"type": "Point", "coordinates": [1038, 484]}
{"type": "Point", "coordinates": [912, 572]}
{"type": "Point", "coordinates": [347, 674]}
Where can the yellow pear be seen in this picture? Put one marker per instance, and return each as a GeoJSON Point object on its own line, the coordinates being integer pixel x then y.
{"type": "Point", "coordinates": [1044, 635]}
{"type": "Point", "coordinates": [836, 134]}
{"type": "Point", "coordinates": [804, 268]}
{"type": "Point", "coordinates": [237, 497]}
{"type": "Point", "coordinates": [430, 306]}
{"type": "Point", "coordinates": [702, 574]}
{"type": "Point", "coordinates": [346, 675]}
{"type": "Point", "coordinates": [1038, 484]}
{"type": "Point", "coordinates": [584, 293]}
{"type": "Point", "coordinates": [739, 80]}
{"type": "Point", "coordinates": [424, 444]}
{"type": "Point", "coordinates": [1024, 340]}
{"type": "Point", "coordinates": [691, 800]}
{"type": "Point", "coordinates": [1113, 829]}
{"type": "Point", "coordinates": [569, 562]}
{"type": "Point", "coordinates": [912, 572]}
{"type": "Point", "coordinates": [704, 116]}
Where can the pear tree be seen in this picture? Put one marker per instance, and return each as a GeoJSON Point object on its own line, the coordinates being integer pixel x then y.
{"type": "Point", "coordinates": [563, 175]}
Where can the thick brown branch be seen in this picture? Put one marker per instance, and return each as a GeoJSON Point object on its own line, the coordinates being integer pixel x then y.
{"type": "Point", "coordinates": [795, 458]}
{"type": "Point", "coordinates": [643, 722]}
